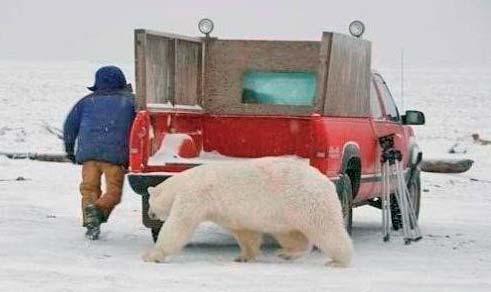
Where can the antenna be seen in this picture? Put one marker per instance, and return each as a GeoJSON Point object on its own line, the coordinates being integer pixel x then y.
{"type": "Point", "coordinates": [402, 79]}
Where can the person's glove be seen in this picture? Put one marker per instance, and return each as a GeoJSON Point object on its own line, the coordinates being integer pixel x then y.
{"type": "Point", "coordinates": [71, 157]}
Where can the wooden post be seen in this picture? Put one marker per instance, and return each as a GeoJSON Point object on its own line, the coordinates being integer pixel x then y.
{"type": "Point", "coordinates": [446, 165]}
{"type": "Point", "coordinates": [140, 69]}
{"type": "Point", "coordinates": [324, 58]}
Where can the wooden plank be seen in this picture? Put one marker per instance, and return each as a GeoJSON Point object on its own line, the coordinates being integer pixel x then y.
{"type": "Point", "coordinates": [347, 90]}
{"type": "Point", "coordinates": [201, 74]}
{"type": "Point", "coordinates": [140, 69]}
{"type": "Point", "coordinates": [228, 60]}
{"type": "Point", "coordinates": [446, 165]}
{"type": "Point", "coordinates": [49, 157]}
{"type": "Point", "coordinates": [171, 71]}
{"type": "Point", "coordinates": [165, 107]}
{"type": "Point", "coordinates": [158, 74]}
{"type": "Point", "coordinates": [324, 58]}
{"type": "Point", "coordinates": [187, 72]}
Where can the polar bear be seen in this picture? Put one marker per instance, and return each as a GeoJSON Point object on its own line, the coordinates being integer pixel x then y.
{"type": "Point", "coordinates": [284, 197]}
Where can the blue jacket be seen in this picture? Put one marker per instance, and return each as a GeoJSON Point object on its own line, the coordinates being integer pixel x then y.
{"type": "Point", "coordinates": [98, 126]}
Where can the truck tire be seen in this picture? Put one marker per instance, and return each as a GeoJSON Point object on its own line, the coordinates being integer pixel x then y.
{"type": "Point", "coordinates": [345, 195]}
{"type": "Point", "coordinates": [155, 233]}
{"type": "Point", "coordinates": [414, 187]}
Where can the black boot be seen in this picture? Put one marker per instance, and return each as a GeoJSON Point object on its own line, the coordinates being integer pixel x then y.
{"type": "Point", "coordinates": [93, 219]}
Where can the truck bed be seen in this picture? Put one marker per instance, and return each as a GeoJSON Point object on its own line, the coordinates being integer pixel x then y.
{"type": "Point", "coordinates": [215, 139]}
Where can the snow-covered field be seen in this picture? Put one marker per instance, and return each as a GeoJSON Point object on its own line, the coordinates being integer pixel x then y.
{"type": "Point", "coordinates": [42, 247]}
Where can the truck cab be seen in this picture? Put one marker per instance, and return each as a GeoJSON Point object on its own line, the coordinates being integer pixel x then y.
{"type": "Point", "coordinates": [206, 100]}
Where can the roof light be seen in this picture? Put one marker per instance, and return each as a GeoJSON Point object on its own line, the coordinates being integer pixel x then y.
{"type": "Point", "coordinates": [206, 26]}
{"type": "Point", "coordinates": [357, 28]}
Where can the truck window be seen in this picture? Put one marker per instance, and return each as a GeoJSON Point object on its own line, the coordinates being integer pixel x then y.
{"type": "Point", "coordinates": [390, 107]}
{"type": "Point", "coordinates": [375, 109]}
{"type": "Point", "coordinates": [282, 88]}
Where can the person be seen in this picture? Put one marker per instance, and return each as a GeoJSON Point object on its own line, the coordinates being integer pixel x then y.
{"type": "Point", "coordinates": [96, 135]}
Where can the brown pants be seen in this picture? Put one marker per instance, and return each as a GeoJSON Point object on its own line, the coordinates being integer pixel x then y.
{"type": "Point", "coordinates": [90, 188]}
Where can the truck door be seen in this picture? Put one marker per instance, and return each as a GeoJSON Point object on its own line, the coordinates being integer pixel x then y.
{"type": "Point", "coordinates": [391, 122]}
{"type": "Point", "coordinates": [371, 177]}
{"type": "Point", "coordinates": [168, 70]}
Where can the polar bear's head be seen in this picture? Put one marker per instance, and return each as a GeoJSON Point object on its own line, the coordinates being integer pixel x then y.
{"type": "Point", "coordinates": [160, 201]}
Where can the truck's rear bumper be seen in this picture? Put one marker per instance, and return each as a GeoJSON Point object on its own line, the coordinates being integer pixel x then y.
{"type": "Point", "coordinates": [139, 183]}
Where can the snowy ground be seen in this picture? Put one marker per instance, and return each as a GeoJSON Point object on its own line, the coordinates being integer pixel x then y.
{"type": "Point", "coordinates": [42, 247]}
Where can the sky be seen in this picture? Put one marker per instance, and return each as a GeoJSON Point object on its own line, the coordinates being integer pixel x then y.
{"type": "Point", "coordinates": [431, 33]}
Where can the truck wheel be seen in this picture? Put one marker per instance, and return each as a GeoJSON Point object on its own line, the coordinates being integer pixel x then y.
{"type": "Point", "coordinates": [414, 187]}
{"type": "Point", "coordinates": [345, 195]}
{"type": "Point", "coordinates": [155, 233]}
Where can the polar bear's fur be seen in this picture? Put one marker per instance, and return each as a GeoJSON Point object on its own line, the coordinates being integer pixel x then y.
{"type": "Point", "coordinates": [284, 197]}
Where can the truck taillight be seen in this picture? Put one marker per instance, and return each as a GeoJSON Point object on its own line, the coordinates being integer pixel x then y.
{"type": "Point", "coordinates": [139, 141]}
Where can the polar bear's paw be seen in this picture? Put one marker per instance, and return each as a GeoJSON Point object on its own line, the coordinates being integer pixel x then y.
{"type": "Point", "coordinates": [287, 255]}
{"type": "Point", "coordinates": [244, 259]}
{"type": "Point", "coordinates": [154, 255]}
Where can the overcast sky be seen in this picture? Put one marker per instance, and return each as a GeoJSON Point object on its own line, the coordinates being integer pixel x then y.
{"type": "Point", "coordinates": [439, 32]}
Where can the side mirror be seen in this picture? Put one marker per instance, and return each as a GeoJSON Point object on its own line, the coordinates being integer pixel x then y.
{"type": "Point", "coordinates": [413, 118]}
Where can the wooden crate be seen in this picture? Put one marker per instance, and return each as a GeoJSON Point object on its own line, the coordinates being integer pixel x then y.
{"type": "Point", "coordinates": [210, 72]}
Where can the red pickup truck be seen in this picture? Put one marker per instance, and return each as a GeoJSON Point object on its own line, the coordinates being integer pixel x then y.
{"type": "Point", "coordinates": [203, 100]}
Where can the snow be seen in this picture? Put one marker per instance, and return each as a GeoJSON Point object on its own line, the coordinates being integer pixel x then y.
{"type": "Point", "coordinates": [173, 107]}
{"type": "Point", "coordinates": [42, 247]}
{"type": "Point", "coordinates": [169, 149]}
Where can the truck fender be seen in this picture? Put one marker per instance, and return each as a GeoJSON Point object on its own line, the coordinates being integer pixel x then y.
{"type": "Point", "coordinates": [415, 158]}
{"type": "Point", "coordinates": [415, 155]}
